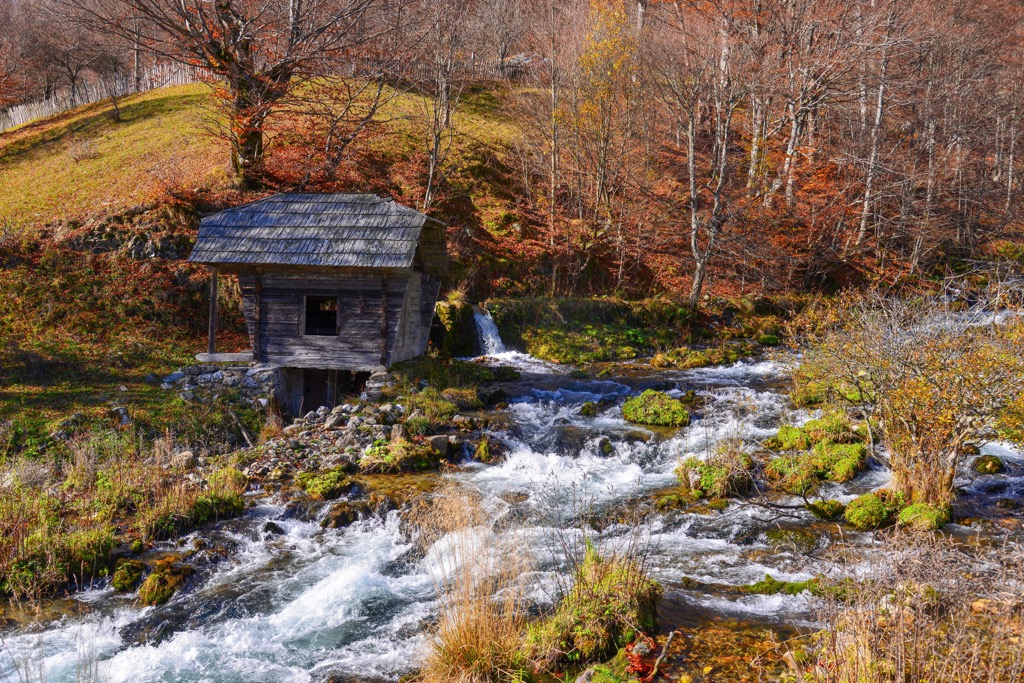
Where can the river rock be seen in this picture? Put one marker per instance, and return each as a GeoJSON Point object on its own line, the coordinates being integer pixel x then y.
{"type": "Point", "coordinates": [439, 443]}
{"type": "Point", "coordinates": [120, 414]}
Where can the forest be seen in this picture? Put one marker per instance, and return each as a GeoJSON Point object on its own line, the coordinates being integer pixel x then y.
{"type": "Point", "coordinates": [652, 147]}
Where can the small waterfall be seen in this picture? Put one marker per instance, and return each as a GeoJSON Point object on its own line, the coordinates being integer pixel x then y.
{"type": "Point", "coordinates": [487, 333]}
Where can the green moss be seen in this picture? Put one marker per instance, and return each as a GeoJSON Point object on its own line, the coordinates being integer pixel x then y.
{"type": "Point", "coordinates": [840, 462]}
{"type": "Point", "coordinates": [656, 408]}
{"type": "Point", "coordinates": [873, 510]}
{"type": "Point", "coordinates": [325, 485]}
{"type": "Point", "coordinates": [610, 597]}
{"type": "Point", "coordinates": [483, 450]}
{"type": "Point", "coordinates": [827, 510]}
{"type": "Point", "coordinates": [400, 455]}
{"type": "Point", "coordinates": [772, 586]}
{"type": "Point", "coordinates": [768, 340]}
{"type": "Point", "coordinates": [988, 464]}
{"type": "Point", "coordinates": [460, 336]}
{"type": "Point", "coordinates": [163, 582]}
{"type": "Point", "coordinates": [589, 409]}
{"type": "Point", "coordinates": [127, 575]}
{"type": "Point", "coordinates": [924, 517]}
{"type": "Point", "coordinates": [503, 373]}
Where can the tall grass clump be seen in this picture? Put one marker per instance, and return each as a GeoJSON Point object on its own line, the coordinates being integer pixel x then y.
{"type": "Point", "coordinates": [482, 615]}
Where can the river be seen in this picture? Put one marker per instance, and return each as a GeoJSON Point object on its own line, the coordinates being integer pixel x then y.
{"type": "Point", "coordinates": [355, 604]}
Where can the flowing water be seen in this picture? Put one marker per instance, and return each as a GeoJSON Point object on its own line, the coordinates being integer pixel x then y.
{"type": "Point", "coordinates": [316, 604]}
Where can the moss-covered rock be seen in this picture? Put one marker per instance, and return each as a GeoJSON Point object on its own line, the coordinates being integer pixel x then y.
{"type": "Point", "coordinates": [800, 540]}
{"type": "Point", "coordinates": [874, 510]}
{"type": "Point", "coordinates": [772, 586]}
{"type": "Point", "coordinates": [127, 575]}
{"type": "Point", "coordinates": [610, 600]}
{"type": "Point", "coordinates": [589, 409]}
{"type": "Point", "coordinates": [503, 373]}
{"type": "Point", "coordinates": [464, 399]}
{"type": "Point", "coordinates": [924, 517]}
{"type": "Point", "coordinates": [460, 335]}
{"type": "Point", "coordinates": [988, 464]}
{"type": "Point", "coordinates": [163, 582]}
{"type": "Point", "coordinates": [326, 485]}
{"type": "Point", "coordinates": [768, 340]}
{"type": "Point", "coordinates": [343, 514]}
{"type": "Point", "coordinates": [656, 408]}
{"type": "Point", "coordinates": [827, 510]}
{"type": "Point", "coordinates": [399, 455]}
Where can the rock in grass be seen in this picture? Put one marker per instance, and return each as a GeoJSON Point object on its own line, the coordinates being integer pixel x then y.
{"type": "Point", "coordinates": [656, 408]}
{"type": "Point", "coordinates": [924, 517]}
{"type": "Point", "coordinates": [127, 575]}
{"type": "Point", "coordinates": [873, 510]}
{"type": "Point", "coordinates": [988, 464]}
{"type": "Point", "coordinates": [163, 582]}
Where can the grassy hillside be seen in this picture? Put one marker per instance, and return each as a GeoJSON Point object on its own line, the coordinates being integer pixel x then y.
{"type": "Point", "coordinates": [82, 162]}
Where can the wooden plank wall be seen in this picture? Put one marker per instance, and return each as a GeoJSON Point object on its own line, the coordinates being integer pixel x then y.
{"type": "Point", "coordinates": [359, 344]}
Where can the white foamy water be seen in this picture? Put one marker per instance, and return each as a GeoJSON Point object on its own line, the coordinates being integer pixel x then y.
{"type": "Point", "coordinates": [490, 340]}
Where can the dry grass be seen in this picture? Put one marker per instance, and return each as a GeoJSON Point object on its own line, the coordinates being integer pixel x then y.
{"type": "Point", "coordinates": [482, 620]}
{"type": "Point", "coordinates": [926, 610]}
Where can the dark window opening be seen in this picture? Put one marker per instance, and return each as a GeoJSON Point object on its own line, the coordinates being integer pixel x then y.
{"type": "Point", "coordinates": [322, 315]}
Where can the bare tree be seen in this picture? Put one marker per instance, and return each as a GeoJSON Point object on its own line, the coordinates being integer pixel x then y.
{"type": "Point", "coordinates": [699, 67]}
{"type": "Point", "coordinates": [260, 50]}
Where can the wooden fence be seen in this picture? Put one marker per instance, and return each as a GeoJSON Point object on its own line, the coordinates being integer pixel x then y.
{"type": "Point", "coordinates": [87, 93]}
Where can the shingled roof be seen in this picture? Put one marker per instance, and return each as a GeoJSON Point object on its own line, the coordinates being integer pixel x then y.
{"type": "Point", "coordinates": [332, 230]}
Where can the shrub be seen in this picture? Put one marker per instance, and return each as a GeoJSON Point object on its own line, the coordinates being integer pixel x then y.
{"type": "Point", "coordinates": [924, 517]}
{"type": "Point", "coordinates": [656, 408]}
{"type": "Point", "coordinates": [926, 609]}
{"type": "Point", "coordinates": [325, 485]}
{"type": "Point", "coordinates": [610, 597]}
{"type": "Point", "coordinates": [873, 510]}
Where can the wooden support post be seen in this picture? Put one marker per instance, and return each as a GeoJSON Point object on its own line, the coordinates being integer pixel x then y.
{"type": "Point", "coordinates": [258, 318]}
{"type": "Point", "coordinates": [211, 346]}
{"type": "Point", "coordinates": [384, 322]}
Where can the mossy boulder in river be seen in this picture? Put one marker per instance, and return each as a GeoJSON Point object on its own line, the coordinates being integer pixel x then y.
{"type": "Point", "coordinates": [717, 477]}
{"type": "Point", "coordinates": [127, 575]}
{"type": "Point", "coordinates": [988, 464]}
{"type": "Point", "coordinates": [924, 517]}
{"type": "Point", "coordinates": [874, 510]}
{"type": "Point", "coordinates": [163, 582]}
{"type": "Point", "coordinates": [326, 485]}
{"type": "Point", "coordinates": [656, 408]}
{"type": "Point", "coordinates": [399, 455]}
{"type": "Point", "coordinates": [827, 510]}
